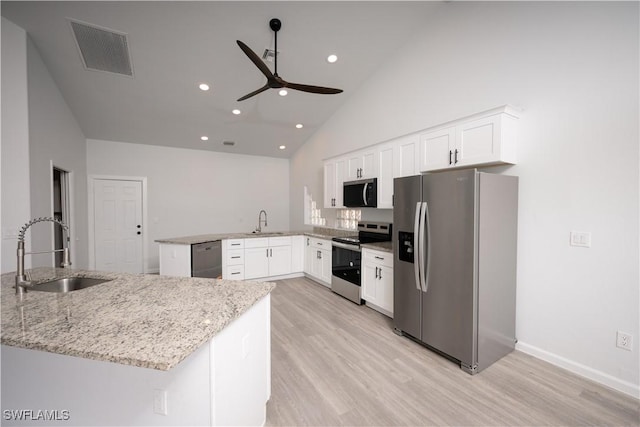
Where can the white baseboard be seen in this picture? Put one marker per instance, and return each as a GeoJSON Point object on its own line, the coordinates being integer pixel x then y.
{"type": "Point", "coordinates": [623, 386]}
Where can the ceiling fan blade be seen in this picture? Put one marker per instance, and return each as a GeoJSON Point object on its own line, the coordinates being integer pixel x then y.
{"type": "Point", "coordinates": [312, 89]}
{"type": "Point", "coordinates": [255, 92]}
{"type": "Point", "coordinates": [256, 60]}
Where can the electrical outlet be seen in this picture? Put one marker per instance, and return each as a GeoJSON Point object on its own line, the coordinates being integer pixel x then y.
{"type": "Point", "coordinates": [580, 238]}
{"type": "Point", "coordinates": [624, 340]}
{"type": "Point", "coordinates": [160, 402]}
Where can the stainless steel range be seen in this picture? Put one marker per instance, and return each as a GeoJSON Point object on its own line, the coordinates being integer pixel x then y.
{"type": "Point", "coordinates": [346, 258]}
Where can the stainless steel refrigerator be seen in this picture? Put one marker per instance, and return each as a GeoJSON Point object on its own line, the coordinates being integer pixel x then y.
{"type": "Point", "coordinates": [455, 235]}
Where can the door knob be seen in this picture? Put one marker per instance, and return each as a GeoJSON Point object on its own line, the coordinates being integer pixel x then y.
{"type": "Point", "coordinates": [138, 226]}
{"type": "Point", "coordinates": [139, 232]}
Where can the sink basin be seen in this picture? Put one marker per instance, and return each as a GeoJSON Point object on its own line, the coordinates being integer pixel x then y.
{"type": "Point", "coordinates": [67, 284]}
{"type": "Point", "coordinates": [269, 233]}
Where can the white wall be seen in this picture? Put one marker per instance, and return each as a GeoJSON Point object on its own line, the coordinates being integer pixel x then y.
{"type": "Point", "coordinates": [14, 149]}
{"type": "Point", "coordinates": [573, 68]}
{"type": "Point", "coordinates": [54, 139]}
{"type": "Point", "coordinates": [194, 192]}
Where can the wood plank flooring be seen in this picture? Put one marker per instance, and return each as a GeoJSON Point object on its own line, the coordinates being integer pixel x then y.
{"type": "Point", "coordinates": [335, 364]}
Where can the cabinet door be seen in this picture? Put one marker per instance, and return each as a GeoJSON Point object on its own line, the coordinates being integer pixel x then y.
{"type": "Point", "coordinates": [329, 184]}
{"type": "Point", "coordinates": [340, 171]}
{"type": "Point", "coordinates": [279, 260]}
{"type": "Point", "coordinates": [309, 252]}
{"type": "Point", "coordinates": [385, 176]}
{"type": "Point", "coordinates": [316, 263]}
{"type": "Point", "coordinates": [256, 263]}
{"type": "Point", "coordinates": [325, 266]}
{"type": "Point", "coordinates": [407, 155]}
{"type": "Point", "coordinates": [478, 141]}
{"type": "Point", "coordinates": [436, 149]}
{"type": "Point", "coordinates": [369, 282]}
{"type": "Point", "coordinates": [297, 253]}
{"type": "Point", "coordinates": [384, 288]}
{"type": "Point", "coordinates": [354, 167]}
{"type": "Point", "coordinates": [369, 164]}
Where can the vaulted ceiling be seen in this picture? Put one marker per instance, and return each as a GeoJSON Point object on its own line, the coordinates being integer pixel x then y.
{"type": "Point", "coordinates": [174, 46]}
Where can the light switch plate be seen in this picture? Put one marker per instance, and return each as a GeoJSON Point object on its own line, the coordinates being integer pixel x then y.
{"type": "Point", "coordinates": [580, 238]}
{"type": "Point", "coordinates": [160, 402]}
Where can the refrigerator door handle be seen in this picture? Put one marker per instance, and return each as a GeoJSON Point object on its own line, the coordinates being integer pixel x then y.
{"type": "Point", "coordinates": [423, 237]}
{"type": "Point", "coordinates": [427, 233]}
{"type": "Point", "coordinates": [417, 239]}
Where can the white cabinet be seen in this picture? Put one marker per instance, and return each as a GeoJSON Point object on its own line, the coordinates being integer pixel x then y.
{"type": "Point", "coordinates": [334, 177]}
{"type": "Point", "coordinates": [386, 154]}
{"type": "Point", "coordinates": [233, 259]}
{"type": "Point", "coordinates": [377, 280]}
{"type": "Point", "coordinates": [297, 254]}
{"type": "Point", "coordinates": [362, 164]}
{"type": "Point", "coordinates": [318, 259]}
{"type": "Point", "coordinates": [478, 141]}
{"type": "Point", "coordinates": [406, 155]}
{"type": "Point", "coordinates": [267, 256]}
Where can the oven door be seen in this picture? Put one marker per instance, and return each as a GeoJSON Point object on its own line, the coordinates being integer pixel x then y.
{"type": "Point", "coordinates": [345, 262]}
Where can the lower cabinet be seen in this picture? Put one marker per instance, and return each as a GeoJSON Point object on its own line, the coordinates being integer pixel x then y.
{"type": "Point", "coordinates": [262, 257]}
{"type": "Point", "coordinates": [377, 280]}
{"type": "Point", "coordinates": [318, 259]}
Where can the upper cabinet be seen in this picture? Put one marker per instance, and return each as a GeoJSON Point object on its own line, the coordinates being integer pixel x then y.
{"type": "Point", "coordinates": [479, 141]}
{"type": "Point", "coordinates": [334, 177]}
{"type": "Point", "coordinates": [362, 165]}
{"type": "Point", "coordinates": [483, 139]}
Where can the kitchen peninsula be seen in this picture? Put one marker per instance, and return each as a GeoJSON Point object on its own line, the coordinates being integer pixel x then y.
{"type": "Point", "coordinates": [136, 350]}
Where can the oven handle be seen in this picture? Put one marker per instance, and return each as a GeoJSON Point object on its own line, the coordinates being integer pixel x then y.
{"type": "Point", "coordinates": [346, 246]}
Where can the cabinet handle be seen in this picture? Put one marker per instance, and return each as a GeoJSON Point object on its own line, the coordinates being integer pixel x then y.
{"type": "Point", "coordinates": [380, 273]}
{"type": "Point", "coordinates": [319, 244]}
{"type": "Point", "coordinates": [237, 272]}
{"type": "Point", "coordinates": [455, 158]}
{"type": "Point", "coordinates": [450, 153]}
{"type": "Point", "coordinates": [267, 253]}
{"type": "Point", "coordinates": [379, 257]}
{"type": "Point", "coordinates": [319, 255]}
{"type": "Point", "coordinates": [307, 241]}
{"type": "Point", "coordinates": [235, 244]}
{"type": "Point", "coordinates": [376, 272]}
{"type": "Point", "coordinates": [271, 253]}
{"type": "Point", "coordinates": [235, 257]}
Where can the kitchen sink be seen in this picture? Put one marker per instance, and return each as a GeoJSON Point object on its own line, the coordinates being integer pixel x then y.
{"type": "Point", "coordinates": [269, 233]}
{"type": "Point", "coordinates": [67, 284]}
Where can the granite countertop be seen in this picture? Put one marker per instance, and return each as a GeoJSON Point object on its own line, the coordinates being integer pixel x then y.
{"type": "Point", "coordinates": [142, 320]}
{"type": "Point", "coordinates": [322, 233]}
{"type": "Point", "coordinates": [380, 246]}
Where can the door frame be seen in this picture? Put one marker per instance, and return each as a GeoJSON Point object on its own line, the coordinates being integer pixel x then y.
{"type": "Point", "coordinates": [91, 223]}
{"type": "Point", "coordinates": [71, 234]}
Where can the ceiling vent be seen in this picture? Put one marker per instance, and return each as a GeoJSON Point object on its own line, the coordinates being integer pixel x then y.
{"type": "Point", "coordinates": [102, 49]}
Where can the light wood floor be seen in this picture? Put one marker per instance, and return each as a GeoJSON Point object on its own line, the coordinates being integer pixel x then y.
{"type": "Point", "coordinates": [335, 363]}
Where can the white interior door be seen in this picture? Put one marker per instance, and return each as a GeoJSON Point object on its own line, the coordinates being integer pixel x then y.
{"type": "Point", "coordinates": [118, 225]}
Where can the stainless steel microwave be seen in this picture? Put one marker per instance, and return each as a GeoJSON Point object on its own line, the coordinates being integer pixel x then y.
{"type": "Point", "coordinates": [362, 193]}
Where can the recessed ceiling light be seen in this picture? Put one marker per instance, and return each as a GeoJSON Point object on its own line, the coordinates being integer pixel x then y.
{"type": "Point", "coordinates": [282, 147]}
{"type": "Point", "coordinates": [332, 58]}
{"type": "Point", "coordinates": [283, 92]}
{"type": "Point", "coordinates": [236, 112]}
{"type": "Point", "coordinates": [203, 86]}
{"type": "Point", "coordinates": [299, 126]}
{"type": "Point", "coordinates": [204, 138]}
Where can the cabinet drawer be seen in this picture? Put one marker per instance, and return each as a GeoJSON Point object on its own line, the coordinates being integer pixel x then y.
{"type": "Point", "coordinates": [320, 243]}
{"type": "Point", "coordinates": [261, 242]}
{"type": "Point", "coordinates": [280, 241]}
{"type": "Point", "coordinates": [235, 244]}
{"type": "Point", "coordinates": [378, 257]}
{"type": "Point", "coordinates": [235, 257]}
{"type": "Point", "coordinates": [236, 272]}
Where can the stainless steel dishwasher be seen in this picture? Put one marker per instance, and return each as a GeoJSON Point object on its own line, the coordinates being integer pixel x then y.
{"type": "Point", "coordinates": [206, 260]}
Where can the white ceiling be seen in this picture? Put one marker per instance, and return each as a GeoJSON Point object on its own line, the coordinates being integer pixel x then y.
{"type": "Point", "coordinates": [176, 45]}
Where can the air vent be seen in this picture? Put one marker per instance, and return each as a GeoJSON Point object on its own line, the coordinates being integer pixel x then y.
{"type": "Point", "coordinates": [269, 55]}
{"type": "Point", "coordinates": [228, 143]}
{"type": "Point", "coordinates": [102, 49]}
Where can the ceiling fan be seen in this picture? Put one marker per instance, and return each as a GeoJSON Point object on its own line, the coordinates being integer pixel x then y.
{"type": "Point", "coordinates": [274, 81]}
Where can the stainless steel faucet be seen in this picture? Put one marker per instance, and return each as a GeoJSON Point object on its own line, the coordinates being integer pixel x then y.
{"type": "Point", "coordinates": [21, 278]}
{"type": "Point", "coordinates": [259, 229]}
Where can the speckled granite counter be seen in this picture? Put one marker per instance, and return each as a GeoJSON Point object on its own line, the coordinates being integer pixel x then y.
{"type": "Point", "coordinates": [379, 246]}
{"type": "Point", "coordinates": [147, 321]}
{"type": "Point", "coordinates": [322, 233]}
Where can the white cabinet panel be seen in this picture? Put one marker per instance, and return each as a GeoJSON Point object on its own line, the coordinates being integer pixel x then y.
{"type": "Point", "coordinates": [175, 260]}
{"type": "Point", "coordinates": [334, 177]}
{"type": "Point", "coordinates": [279, 260]}
{"type": "Point", "coordinates": [436, 149]}
{"type": "Point", "coordinates": [256, 262]}
{"type": "Point", "coordinates": [297, 254]}
{"type": "Point", "coordinates": [318, 259]}
{"type": "Point", "coordinates": [407, 155]}
{"type": "Point", "coordinates": [377, 280]}
{"type": "Point", "coordinates": [385, 156]}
